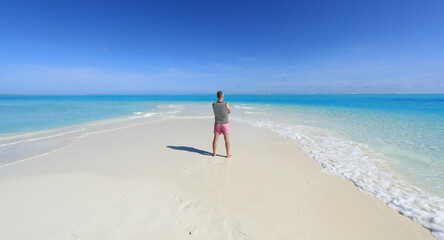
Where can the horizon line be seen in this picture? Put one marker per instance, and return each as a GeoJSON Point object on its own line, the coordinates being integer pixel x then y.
{"type": "Point", "coordinates": [172, 94]}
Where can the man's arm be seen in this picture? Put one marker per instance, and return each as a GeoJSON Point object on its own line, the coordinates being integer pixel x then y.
{"type": "Point", "coordinates": [228, 107]}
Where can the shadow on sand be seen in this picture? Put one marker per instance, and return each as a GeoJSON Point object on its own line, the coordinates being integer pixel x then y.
{"type": "Point", "coordinates": [194, 150]}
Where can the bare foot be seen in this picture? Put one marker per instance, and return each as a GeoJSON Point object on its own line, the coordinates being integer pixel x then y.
{"type": "Point", "coordinates": [229, 156]}
{"type": "Point", "coordinates": [214, 154]}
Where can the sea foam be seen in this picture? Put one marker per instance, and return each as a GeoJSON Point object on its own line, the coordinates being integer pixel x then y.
{"type": "Point", "coordinates": [243, 107]}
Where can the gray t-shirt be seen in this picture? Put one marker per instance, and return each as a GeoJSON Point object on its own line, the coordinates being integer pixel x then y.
{"type": "Point", "coordinates": [220, 112]}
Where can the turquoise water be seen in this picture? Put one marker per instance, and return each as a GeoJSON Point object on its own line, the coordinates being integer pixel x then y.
{"type": "Point", "coordinates": [390, 145]}
{"type": "Point", "coordinates": [34, 113]}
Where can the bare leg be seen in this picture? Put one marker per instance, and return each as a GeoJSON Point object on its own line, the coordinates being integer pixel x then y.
{"type": "Point", "coordinates": [216, 137]}
{"type": "Point", "coordinates": [227, 145]}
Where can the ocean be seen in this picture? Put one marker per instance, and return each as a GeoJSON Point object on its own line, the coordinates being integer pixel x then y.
{"type": "Point", "coordinates": [390, 146]}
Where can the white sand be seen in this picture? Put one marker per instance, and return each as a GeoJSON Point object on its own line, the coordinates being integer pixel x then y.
{"type": "Point", "coordinates": [128, 184]}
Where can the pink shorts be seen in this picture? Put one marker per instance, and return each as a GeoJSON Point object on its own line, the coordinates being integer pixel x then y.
{"type": "Point", "coordinates": [222, 128]}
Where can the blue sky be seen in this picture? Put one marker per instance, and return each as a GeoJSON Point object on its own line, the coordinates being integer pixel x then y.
{"type": "Point", "coordinates": [109, 47]}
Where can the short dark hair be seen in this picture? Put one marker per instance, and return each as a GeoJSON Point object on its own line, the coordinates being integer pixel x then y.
{"type": "Point", "coordinates": [220, 94]}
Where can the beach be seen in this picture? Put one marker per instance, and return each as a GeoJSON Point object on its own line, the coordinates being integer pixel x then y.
{"type": "Point", "coordinates": [158, 180]}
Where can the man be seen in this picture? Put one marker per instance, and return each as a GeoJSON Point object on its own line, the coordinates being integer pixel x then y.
{"type": "Point", "coordinates": [221, 125]}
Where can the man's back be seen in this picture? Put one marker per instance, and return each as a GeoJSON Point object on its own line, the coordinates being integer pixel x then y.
{"type": "Point", "coordinates": [220, 112]}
